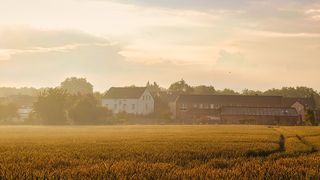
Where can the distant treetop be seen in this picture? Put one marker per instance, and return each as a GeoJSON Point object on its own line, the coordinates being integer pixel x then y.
{"type": "Point", "coordinates": [75, 86]}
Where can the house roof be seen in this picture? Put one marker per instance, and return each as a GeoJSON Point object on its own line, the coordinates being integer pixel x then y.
{"type": "Point", "coordinates": [233, 100]}
{"type": "Point", "coordinates": [307, 102]}
{"type": "Point", "coordinates": [169, 96]}
{"type": "Point", "coordinates": [125, 92]}
{"type": "Point", "coordinates": [258, 111]}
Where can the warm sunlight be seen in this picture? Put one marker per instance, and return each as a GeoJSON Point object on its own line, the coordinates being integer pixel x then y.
{"type": "Point", "coordinates": [159, 89]}
{"type": "Point", "coordinates": [162, 40]}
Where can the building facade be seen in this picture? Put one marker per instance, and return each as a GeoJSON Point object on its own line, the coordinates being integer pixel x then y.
{"type": "Point", "coordinates": [132, 100]}
{"type": "Point", "coordinates": [259, 115]}
{"type": "Point", "coordinates": [238, 109]}
{"type": "Point", "coordinates": [24, 112]}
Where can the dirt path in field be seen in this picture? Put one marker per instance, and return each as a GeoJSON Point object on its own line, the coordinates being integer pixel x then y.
{"type": "Point", "coordinates": [282, 141]}
{"type": "Point", "coordinates": [302, 140]}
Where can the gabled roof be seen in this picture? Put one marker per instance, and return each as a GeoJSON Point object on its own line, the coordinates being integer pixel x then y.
{"type": "Point", "coordinates": [307, 102]}
{"type": "Point", "coordinates": [258, 111]}
{"type": "Point", "coordinates": [125, 92]}
{"type": "Point", "coordinates": [233, 100]}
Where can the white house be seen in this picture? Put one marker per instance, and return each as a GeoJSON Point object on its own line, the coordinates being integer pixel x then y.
{"type": "Point", "coordinates": [132, 100]}
{"type": "Point", "coordinates": [24, 112]}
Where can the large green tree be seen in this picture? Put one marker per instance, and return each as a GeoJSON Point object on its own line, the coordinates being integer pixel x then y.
{"type": "Point", "coordinates": [8, 111]}
{"type": "Point", "coordinates": [181, 87]}
{"type": "Point", "coordinates": [51, 106]}
{"type": "Point", "coordinates": [248, 92]}
{"type": "Point", "coordinates": [154, 88]}
{"type": "Point", "coordinates": [202, 89]}
{"type": "Point", "coordinates": [299, 91]}
{"type": "Point", "coordinates": [310, 118]}
{"type": "Point", "coordinates": [87, 111]}
{"type": "Point", "coordinates": [227, 92]}
{"type": "Point", "coordinates": [75, 85]}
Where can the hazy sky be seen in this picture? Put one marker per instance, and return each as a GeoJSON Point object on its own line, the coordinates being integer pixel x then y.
{"type": "Point", "coordinates": [228, 44]}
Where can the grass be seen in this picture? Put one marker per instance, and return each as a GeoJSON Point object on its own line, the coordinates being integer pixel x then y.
{"type": "Point", "coordinates": [159, 152]}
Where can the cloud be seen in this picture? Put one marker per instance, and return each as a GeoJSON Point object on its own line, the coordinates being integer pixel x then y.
{"type": "Point", "coordinates": [21, 37]}
{"type": "Point", "coordinates": [24, 40]}
{"type": "Point", "coordinates": [39, 56]}
{"type": "Point", "coordinates": [314, 14]}
{"type": "Point", "coordinates": [201, 41]}
{"type": "Point", "coordinates": [285, 35]}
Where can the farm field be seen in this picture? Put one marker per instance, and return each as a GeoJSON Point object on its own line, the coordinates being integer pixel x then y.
{"type": "Point", "coordinates": [159, 152]}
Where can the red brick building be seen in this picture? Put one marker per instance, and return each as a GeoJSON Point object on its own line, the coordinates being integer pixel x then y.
{"type": "Point", "coordinates": [238, 109]}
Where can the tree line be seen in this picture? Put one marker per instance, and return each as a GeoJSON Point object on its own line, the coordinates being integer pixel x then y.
{"type": "Point", "coordinates": [74, 85]}
{"type": "Point", "coordinates": [75, 102]}
{"type": "Point", "coordinates": [182, 87]}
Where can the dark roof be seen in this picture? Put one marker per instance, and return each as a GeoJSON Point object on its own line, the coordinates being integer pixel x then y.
{"type": "Point", "coordinates": [258, 111]}
{"type": "Point", "coordinates": [233, 100]}
{"type": "Point", "coordinates": [169, 96]}
{"type": "Point", "coordinates": [125, 92]}
{"type": "Point", "coordinates": [307, 102]}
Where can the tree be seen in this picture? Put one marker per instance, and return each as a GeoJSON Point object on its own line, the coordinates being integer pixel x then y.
{"type": "Point", "coordinates": [98, 96]}
{"type": "Point", "coordinates": [8, 111]}
{"type": "Point", "coordinates": [51, 106]}
{"type": "Point", "coordinates": [75, 85]}
{"type": "Point", "coordinates": [154, 88]}
{"type": "Point", "coordinates": [248, 92]}
{"type": "Point", "coordinates": [227, 92]}
{"type": "Point", "coordinates": [299, 91]}
{"type": "Point", "coordinates": [10, 91]}
{"type": "Point", "coordinates": [202, 89]}
{"type": "Point", "coordinates": [87, 111]}
{"type": "Point", "coordinates": [310, 118]}
{"type": "Point", "coordinates": [181, 87]}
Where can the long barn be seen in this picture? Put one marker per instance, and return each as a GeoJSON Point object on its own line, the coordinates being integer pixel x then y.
{"type": "Point", "coordinates": [238, 109]}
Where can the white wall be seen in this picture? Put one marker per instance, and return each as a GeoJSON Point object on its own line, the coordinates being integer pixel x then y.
{"type": "Point", "coordinates": [300, 109]}
{"type": "Point", "coordinates": [146, 103]}
{"type": "Point", "coordinates": [142, 106]}
{"type": "Point", "coordinates": [24, 112]}
{"type": "Point", "coordinates": [121, 105]}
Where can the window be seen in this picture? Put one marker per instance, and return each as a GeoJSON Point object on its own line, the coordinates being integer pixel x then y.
{"type": "Point", "coordinates": [133, 106]}
{"type": "Point", "coordinates": [201, 106]}
{"type": "Point", "coordinates": [115, 106]}
{"type": "Point", "coordinates": [195, 106]}
{"type": "Point", "coordinates": [183, 107]}
{"type": "Point", "coordinates": [211, 106]}
{"type": "Point", "coordinates": [124, 106]}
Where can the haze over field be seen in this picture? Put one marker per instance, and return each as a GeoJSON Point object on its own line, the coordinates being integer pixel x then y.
{"type": "Point", "coordinates": [234, 44]}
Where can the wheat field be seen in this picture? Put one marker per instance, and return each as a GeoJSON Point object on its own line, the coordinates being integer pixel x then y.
{"type": "Point", "coordinates": [159, 152]}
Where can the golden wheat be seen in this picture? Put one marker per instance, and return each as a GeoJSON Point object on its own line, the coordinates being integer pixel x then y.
{"type": "Point", "coordinates": [159, 152]}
